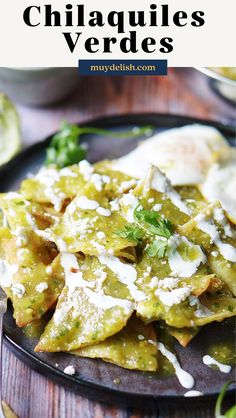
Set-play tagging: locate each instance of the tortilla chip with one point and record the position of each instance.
(183, 335)
(193, 197)
(201, 311)
(52, 185)
(179, 313)
(226, 270)
(31, 288)
(135, 347)
(25, 261)
(93, 306)
(119, 182)
(19, 212)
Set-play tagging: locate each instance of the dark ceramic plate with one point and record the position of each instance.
(95, 378)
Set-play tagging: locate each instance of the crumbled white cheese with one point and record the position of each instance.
(154, 282)
(100, 235)
(115, 206)
(127, 185)
(41, 287)
(86, 169)
(48, 177)
(168, 283)
(103, 211)
(157, 207)
(173, 297)
(67, 172)
(49, 269)
(18, 289)
(98, 182)
(83, 202)
(106, 179)
(101, 274)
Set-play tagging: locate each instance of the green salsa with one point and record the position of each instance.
(224, 352)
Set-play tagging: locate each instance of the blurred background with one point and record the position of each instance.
(44, 97)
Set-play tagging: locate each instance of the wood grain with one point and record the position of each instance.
(29, 394)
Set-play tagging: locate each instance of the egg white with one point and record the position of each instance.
(220, 185)
(184, 154)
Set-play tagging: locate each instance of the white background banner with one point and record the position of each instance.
(212, 44)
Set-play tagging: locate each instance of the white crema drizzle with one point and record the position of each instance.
(74, 280)
(125, 273)
(210, 361)
(226, 250)
(185, 379)
(160, 183)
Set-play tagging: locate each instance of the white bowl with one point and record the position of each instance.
(38, 86)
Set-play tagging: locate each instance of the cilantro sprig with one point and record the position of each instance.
(65, 148)
(151, 227)
(231, 413)
(152, 222)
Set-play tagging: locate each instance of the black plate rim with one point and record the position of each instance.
(82, 387)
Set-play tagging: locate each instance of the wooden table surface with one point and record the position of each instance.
(183, 92)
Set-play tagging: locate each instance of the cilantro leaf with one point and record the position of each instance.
(132, 233)
(157, 248)
(155, 225)
(163, 228)
(149, 225)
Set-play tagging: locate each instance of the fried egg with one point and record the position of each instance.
(184, 154)
(220, 185)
